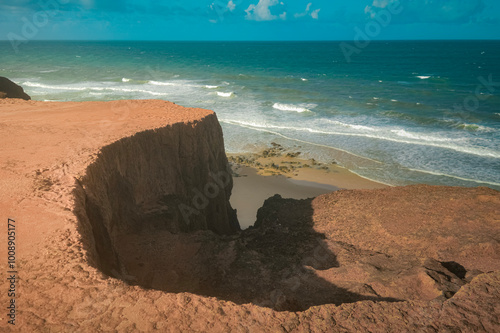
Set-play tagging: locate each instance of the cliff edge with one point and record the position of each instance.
(123, 223)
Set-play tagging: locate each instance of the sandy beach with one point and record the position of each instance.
(278, 170)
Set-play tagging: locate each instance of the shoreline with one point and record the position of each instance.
(277, 170)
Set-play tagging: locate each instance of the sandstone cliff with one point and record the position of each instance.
(100, 193)
(174, 179)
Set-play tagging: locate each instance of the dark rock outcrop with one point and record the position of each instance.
(9, 89)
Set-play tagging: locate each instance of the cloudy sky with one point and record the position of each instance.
(249, 19)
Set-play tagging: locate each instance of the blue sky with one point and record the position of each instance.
(248, 19)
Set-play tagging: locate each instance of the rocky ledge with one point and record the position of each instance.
(123, 224)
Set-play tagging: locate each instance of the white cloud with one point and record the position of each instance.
(262, 11)
(230, 5)
(382, 3)
(315, 13)
(378, 4)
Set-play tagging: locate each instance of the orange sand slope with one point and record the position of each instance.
(45, 153)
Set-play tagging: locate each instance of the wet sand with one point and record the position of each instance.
(258, 176)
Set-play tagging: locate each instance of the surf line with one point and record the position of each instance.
(298, 140)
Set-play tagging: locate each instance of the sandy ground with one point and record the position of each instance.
(45, 149)
(257, 178)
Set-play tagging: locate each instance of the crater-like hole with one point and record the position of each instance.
(151, 219)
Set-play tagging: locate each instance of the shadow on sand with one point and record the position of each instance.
(272, 264)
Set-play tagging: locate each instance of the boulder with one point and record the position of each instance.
(9, 89)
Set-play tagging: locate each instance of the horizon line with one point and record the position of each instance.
(251, 40)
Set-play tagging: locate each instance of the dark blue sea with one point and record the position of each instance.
(397, 112)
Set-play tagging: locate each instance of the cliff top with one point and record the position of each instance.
(315, 257)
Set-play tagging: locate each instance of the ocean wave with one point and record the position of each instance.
(405, 138)
(475, 128)
(357, 127)
(158, 83)
(176, 83)
(405, 134)
(211, 87)
(225, 94)
(423, 77)
(154, 93)
(86, 88)
(257, 127)
(452, 176)
(125, 79)
(304, 79)
(45, 86)
(49, 71)
(290, 107)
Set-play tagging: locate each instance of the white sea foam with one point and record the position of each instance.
(394, 100)
(402, 137)
(405, 134)
(154, 93)
(423, 77)
(211, 87)
(475, 127)
(452, 176)
(158, 83)
(125, 79)
(290, 107)
(304, 79)
(263, 128)
(45, 86)
(354, 126)
(94, 88)
(225, 94)
(49, 71)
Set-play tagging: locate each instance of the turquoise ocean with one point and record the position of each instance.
(396, 112)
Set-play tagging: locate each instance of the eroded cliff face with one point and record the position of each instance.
(391, 260)
(173, 179)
